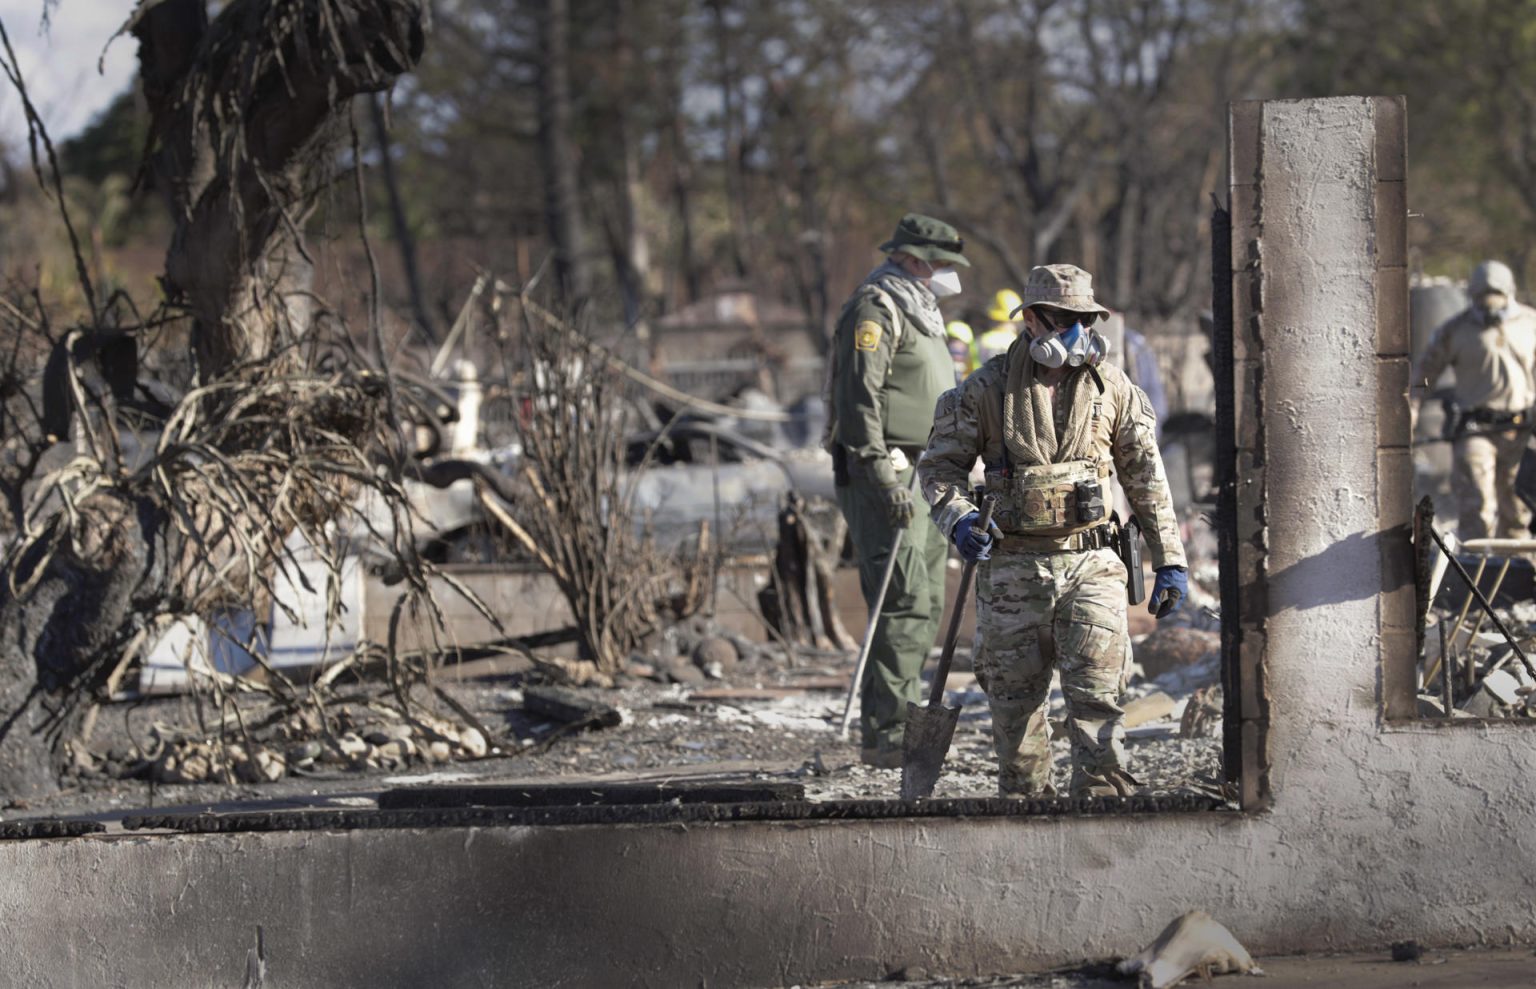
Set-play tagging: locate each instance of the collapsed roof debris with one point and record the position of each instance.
(1478, 625)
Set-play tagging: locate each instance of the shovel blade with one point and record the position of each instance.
(924, 745)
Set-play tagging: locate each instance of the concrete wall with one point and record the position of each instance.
(1376, 830)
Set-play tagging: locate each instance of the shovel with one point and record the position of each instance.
(930, 728)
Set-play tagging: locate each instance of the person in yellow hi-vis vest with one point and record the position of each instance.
(1004, 329)
(962, 347)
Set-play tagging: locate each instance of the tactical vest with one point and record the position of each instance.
(1050, 499)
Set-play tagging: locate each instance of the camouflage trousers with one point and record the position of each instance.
(1483, 481)
(1036, 612)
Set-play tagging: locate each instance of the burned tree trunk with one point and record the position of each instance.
(798, 601)
(246, 111)
(246, 108)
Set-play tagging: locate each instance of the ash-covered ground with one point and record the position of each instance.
(759, 714)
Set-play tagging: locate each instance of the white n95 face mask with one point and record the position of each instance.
(945, 283)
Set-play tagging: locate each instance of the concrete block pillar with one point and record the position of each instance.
(1321, 351)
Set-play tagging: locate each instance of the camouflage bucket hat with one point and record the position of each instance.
(1064, 286)
(924, 237)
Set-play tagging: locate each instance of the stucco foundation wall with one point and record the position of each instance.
(1376, 830)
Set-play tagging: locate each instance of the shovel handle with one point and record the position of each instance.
(941, 674)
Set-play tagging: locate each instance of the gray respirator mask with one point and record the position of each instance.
(1072, 347)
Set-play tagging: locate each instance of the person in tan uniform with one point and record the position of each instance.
(1053, 423)
(1490, 348)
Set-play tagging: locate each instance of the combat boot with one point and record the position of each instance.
(1108, 782)
(1013, 787)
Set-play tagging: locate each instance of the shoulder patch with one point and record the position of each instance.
(866, 336)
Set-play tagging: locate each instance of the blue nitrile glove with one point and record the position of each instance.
(1170, 590)
(974, 544)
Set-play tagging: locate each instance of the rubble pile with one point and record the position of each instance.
(1481, 671)
(694, 653)
(297, 746)
(697, 699)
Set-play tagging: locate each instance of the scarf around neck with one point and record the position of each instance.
(1029, 428)
(914, 298)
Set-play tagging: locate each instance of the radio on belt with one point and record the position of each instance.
(1089, 496)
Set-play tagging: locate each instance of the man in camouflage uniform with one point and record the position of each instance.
(1490, 347)
(890, 363)
(1052, 427)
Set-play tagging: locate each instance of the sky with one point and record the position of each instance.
(59, 64)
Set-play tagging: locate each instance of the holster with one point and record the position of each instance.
(1454, 423)
(1128, 547)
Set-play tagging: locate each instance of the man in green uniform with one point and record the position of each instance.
(1053, 423)
(890, 363)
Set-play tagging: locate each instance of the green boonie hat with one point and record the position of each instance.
(924, 237)
(1064, 286)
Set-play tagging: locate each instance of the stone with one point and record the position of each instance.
(395, 750)
(437, 751)
(305, 752)
(746, 650)
(716, 651)
(1407, 951)
(389, 733)
(189, 765)
(1168, 649)
(265, 767)
(684, 672)
(351, 746)
(473, 744)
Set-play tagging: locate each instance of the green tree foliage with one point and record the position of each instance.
(111, 144)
